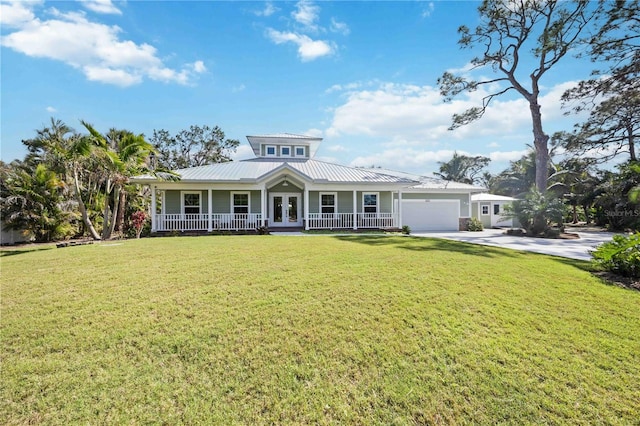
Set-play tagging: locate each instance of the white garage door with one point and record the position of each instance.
(431, 215)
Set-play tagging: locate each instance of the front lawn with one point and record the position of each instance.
(317, 329)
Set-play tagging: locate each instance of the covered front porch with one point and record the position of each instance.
(282, 205)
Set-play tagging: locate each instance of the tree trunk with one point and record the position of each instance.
(632, 147)
(106, 227)
(540, 140)
(121, 211)
(116, 209)
(82, 207)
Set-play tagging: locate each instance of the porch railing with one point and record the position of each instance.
(200, 222)
(345, 220)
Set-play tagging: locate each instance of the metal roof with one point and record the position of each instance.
(432, 183)
(258, 168)
(490, 197)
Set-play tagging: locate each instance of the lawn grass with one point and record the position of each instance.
(318, 329)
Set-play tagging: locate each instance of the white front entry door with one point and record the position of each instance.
(497, 216)
(285, 209)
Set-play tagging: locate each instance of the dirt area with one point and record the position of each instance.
(619, 280)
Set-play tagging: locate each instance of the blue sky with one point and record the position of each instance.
(360, 74)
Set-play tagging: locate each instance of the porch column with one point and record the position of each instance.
(306, 208)
(355, 209)
(209, 210)
(263, 205)
(399, 209)
(154, 225)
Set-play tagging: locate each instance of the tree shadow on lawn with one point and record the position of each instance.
(10, 251)
(430, 244)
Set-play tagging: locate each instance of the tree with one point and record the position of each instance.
(124, 155)
(194, 147)
(463, 168)
(615, 44)
(537, 212)
(507, 32)
(33, 201)
(575, 180)
(613, 127)
(69, 154)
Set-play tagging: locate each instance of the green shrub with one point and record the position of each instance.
(537, 212)
(621, 255)
(475, 225)
(406, 230)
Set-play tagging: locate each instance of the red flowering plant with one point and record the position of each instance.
(138, 220)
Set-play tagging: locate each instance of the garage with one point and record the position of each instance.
(431, 215)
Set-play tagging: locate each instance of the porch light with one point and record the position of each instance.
(285, 183)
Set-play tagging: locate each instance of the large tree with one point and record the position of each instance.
(612, 128)
(196, 146)
(463, 168)
(514, 35)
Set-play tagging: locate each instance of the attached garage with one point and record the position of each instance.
(431, 215)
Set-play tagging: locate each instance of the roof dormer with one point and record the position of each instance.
(284, 145)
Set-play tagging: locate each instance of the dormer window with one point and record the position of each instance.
(300, 151)
(285, 151)
(270, 151)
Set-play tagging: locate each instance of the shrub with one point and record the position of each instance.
(621, 255)
(537, 211)
(475, 225)
(406, 230)
(138, 220)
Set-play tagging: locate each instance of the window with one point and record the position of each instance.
(328, 203)
(270, 151)
(240, 202)
(285, 151)
(299, 151)
(370, 202)
(191, 203)
(484, 209)
(496, 209)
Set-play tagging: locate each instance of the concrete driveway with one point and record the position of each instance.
(572, 249)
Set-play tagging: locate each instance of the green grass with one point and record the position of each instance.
(318, 329)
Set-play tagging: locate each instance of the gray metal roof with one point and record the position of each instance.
(491, 197)
(258, 168)
(432, 183)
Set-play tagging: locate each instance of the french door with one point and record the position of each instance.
(285, 209)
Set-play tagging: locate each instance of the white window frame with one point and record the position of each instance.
(482, 207)
(266, 151)
(377, 194)
(182, 205)
(295, 151)
(335, 202)
(282, 148)
(233, 204)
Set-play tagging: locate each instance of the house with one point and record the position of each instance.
(285, 187)
(489, 208)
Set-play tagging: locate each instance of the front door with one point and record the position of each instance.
(285, 209)
(498, 218)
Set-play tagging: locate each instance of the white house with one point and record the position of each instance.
(284, 186)
(489, 208)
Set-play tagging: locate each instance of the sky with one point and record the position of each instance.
(360, 74)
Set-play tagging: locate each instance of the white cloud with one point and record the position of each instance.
(17, 13)
(268, 10)
(337, 148)
(198, 66)
(493, 145)
(306, 13)
(243, 152)
(316, 133)
(308, 49)
(427, 10)
(101, 6)
(339, 27)
(239, 88)
(51, 109)
(94, 48)
(501, 156)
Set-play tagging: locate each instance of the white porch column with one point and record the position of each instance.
(209, 210)
(306, 207)
(263, 205)
(399, 209)
(154, 225)
(355, 209)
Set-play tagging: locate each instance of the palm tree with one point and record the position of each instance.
(124, 155)
(462, 168)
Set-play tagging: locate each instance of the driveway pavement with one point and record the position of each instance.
(572, 249)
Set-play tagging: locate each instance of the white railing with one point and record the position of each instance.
(330, 220)
(376, 220)
(345, 220)
(200, 222)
